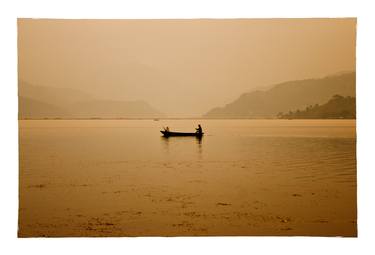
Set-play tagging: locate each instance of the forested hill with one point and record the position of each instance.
(287, 96)
(338, 107)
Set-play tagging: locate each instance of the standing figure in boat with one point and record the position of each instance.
(199, 129)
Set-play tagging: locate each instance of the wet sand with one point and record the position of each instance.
(246, 177)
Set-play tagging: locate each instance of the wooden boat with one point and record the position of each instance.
(169, 133)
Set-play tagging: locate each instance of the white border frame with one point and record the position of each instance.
(363, 10)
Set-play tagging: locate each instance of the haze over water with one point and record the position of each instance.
(176, 65)
(244, 177)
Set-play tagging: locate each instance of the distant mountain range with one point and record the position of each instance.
(287, 96)
(38, 102)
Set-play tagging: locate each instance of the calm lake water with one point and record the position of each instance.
(244, 177)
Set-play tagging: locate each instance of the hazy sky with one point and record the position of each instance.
(181, 66)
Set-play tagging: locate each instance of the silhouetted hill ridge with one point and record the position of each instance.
(36, 102)
(286, 96)
(338, 107)
(31, 108)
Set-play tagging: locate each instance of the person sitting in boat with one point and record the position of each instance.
(199, 129)
(166, 129)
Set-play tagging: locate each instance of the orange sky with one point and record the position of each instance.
(181, 66)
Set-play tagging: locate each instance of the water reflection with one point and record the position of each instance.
(199, 139)
(199, 142)
(167, 142)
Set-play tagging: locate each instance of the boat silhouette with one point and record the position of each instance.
(169, 133)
